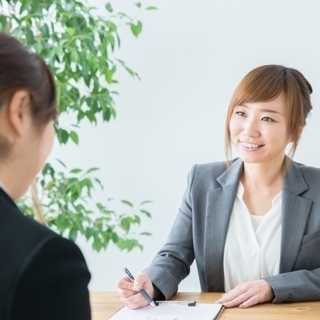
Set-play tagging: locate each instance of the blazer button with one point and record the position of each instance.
(288, 300)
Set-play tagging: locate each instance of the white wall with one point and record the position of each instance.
(190, 57)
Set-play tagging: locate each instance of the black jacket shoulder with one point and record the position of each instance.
(42, 275)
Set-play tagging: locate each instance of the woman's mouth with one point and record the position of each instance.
(251, 145)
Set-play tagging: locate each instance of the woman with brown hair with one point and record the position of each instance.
(42, 275)
(252, 224)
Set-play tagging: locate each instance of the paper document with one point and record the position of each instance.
(201, 311)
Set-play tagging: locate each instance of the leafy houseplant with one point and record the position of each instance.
(79, 45)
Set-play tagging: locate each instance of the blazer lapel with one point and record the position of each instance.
(219, 207)
(295, 213)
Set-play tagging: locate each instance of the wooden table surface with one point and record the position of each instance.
(105, 304)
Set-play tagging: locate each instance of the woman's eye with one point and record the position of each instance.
(240, 113)
(267, 119)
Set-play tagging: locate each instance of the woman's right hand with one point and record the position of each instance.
(129, 290)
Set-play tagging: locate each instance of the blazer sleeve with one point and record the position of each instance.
(294, 286)
(52, 284)
(172, 263)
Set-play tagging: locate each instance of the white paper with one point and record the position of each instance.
(203, 311)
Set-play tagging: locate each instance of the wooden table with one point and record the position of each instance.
(105, 304)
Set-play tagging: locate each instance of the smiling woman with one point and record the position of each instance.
(284, 90)
(42, 275)
(252, 223)
(259, 132)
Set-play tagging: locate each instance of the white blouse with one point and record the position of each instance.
(252, 248)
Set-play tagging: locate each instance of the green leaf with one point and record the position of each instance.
(62, 163)
(35, 5)
(125, 224)
(145, 234)
(24, 6)
(73, 234)
(38, 47)
(3, 22)
(71, 31)
(147, 213)
(112, 26)
(74, 137)
(136, 28)
(137, 219)
(91, 116)
(145, 202)
(106, 115)
(29, 36)
(63, 136)
(45, 31)
(114, 237)
(109, 7)
(151, 8)
(123, 15)
(138, 4)
(92, 170)
(128, 203)
(113, 112)
(80, 116)
(74, 56)
(131, 72)
(109, 74)
(76, 170)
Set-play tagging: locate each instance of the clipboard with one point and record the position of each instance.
(172, 310)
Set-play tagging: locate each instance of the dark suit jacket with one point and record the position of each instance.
(42, 275)
(200, 229)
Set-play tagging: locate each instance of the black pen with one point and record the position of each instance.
(142, 291)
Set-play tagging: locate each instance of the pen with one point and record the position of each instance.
(142, 291)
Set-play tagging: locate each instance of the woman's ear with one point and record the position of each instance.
(18, 111)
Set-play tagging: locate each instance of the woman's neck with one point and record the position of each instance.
(9, 181)
(261, 175)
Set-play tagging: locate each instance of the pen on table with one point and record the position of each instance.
(142, 291)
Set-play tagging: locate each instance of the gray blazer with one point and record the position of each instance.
(200, 229)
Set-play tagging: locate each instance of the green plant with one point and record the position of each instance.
(79, 44)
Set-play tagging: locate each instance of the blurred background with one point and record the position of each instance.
(190, 56)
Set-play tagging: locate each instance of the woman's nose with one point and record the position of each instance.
(251, 129)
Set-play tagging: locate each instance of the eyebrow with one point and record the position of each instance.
(263, 110)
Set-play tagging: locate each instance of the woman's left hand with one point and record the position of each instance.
(247, 294)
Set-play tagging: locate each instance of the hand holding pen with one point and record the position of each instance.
(143, 292)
